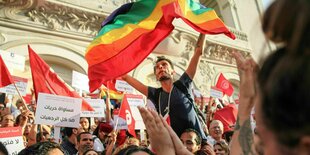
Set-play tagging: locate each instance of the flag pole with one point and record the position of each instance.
(118, 113)
(23, 101)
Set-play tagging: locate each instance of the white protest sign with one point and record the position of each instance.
(80, 80)
(216, 93)
(13, 61)
(121, 123)
(12, 139)
(134, 101)
(21, 84)
(99, 108)
(122, 85)
(58, 110)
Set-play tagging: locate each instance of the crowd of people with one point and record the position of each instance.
(278, 91)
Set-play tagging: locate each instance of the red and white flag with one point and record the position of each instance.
(126, 114)
(5, 75)
(45, 80)
(224, 85)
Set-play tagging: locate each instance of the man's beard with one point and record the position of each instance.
(164, 78)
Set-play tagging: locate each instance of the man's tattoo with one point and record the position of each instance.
(246, 137)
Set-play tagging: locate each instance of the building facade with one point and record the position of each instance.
(60, 30)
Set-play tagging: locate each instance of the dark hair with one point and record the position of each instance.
(17, 120)
(283, 26)
(40, 148)
(68, 131)
(228, 135)
(78, 137)
(131, 150)
(198, 136)
(284, 82)
(89, 151)
(2, 99)
(162, 58)
(3, 149)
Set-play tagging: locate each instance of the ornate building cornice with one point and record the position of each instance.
(53, 16)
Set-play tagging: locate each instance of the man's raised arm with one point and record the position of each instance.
(136, 84)
(192, 67)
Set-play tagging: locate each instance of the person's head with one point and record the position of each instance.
(3, 150)
(19, 104)
(27, 129)
(206, 148)
(163, 69)
(282, 105)
(216, 129)
(7, 120)
(90, 152)
(135, 150)
(84, 141)
(70, 132)
(283, 26)
(228, 135)
(84, 122)
(21, 120)
(191, 140)
(221, 148)
(133, 141)
(103, 131)
(42, 148)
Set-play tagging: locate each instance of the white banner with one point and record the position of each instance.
(99, 108)
(123, 86)
(216, 93)
(21, 84)
(121, 123)
(80, 80)
(13, 61)
(58, 110)
(12, 139)
(134, 101)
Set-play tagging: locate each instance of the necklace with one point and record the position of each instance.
(168, 106)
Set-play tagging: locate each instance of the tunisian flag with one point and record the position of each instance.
(46, 81)
(126, 114)
(224, 85)
(227, 115)
(6, 78)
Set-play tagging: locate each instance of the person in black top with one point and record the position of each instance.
(170, 99)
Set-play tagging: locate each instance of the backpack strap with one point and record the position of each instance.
(157, 91)
(184, 90)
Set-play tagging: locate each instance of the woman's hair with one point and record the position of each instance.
(284, 82)
(223, 145)
(288, 22)
(40, 148)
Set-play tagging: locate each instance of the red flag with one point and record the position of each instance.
(227, 115)
(6, 78)
(126, 114)
(224, 85)
(46, 81)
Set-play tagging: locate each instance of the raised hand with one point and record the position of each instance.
(159, 136)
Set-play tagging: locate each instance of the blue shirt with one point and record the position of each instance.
(181, 111)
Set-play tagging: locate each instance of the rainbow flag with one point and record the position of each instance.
(132, 31)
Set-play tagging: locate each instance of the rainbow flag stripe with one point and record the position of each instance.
(132, 31)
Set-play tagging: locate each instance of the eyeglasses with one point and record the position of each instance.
(9, 120)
